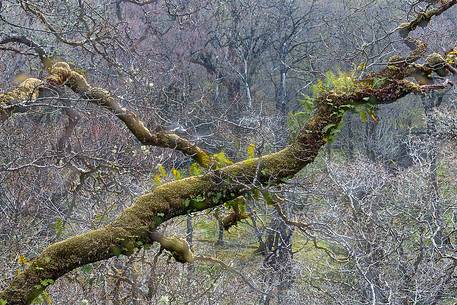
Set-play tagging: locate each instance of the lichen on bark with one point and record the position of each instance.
(27, 90)
(136, 225)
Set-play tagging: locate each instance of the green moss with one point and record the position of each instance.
(437, 63)
(451, 57)
(197, 203)
(169, 200)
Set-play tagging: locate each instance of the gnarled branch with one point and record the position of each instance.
(134, 227)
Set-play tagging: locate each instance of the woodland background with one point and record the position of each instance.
(372, 220)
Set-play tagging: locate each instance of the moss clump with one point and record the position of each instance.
(451, 57)
(339, 83)
(59, 73)
(27, 90)
(395, 61)
(437, 63)
(62, 74)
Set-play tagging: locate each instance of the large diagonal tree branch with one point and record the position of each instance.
(61, 74)
(135, 226)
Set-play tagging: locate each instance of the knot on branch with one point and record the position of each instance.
(62, 74)
(233, 219)
(59, 73)
(238, 213)
(178, 247)
(437, 63)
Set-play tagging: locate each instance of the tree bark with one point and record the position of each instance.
(135, 226)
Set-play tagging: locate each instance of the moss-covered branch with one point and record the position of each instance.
(10, 100)
(424, 18)
(60, 74)
(135, 226)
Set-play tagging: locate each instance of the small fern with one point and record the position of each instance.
(339, 83)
